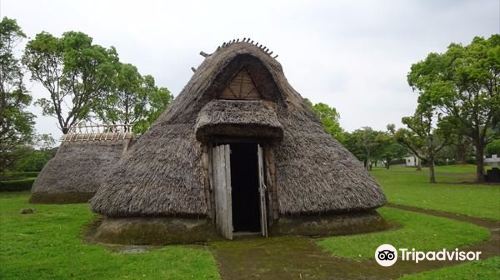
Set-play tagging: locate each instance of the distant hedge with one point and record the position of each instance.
(10, 176)
(16, 185)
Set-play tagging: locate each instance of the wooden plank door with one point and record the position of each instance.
(262, 192)
(221, 170)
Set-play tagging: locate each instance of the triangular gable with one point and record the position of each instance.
(241, 87)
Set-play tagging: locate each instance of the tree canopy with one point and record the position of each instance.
(75, 72)
(134, 100)
(16, 123)
(463, 83)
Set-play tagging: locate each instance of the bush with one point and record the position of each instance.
(493, 147)
(16, 185)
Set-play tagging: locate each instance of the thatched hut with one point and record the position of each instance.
(237, 151)
(81, 162)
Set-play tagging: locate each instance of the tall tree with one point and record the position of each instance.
(364, 145)
(464, 83)
(329, 118)
(75, 72)
(422, 137)
(389, 149)
(158, 100)
(16, 124)
(126, 102)
(135, 100)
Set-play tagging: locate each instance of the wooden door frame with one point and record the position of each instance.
(269, 174)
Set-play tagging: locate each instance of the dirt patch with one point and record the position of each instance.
(291, 257)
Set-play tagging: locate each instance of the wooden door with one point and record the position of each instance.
(221, 170)
(262, 192)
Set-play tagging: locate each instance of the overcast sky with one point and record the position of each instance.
(352, 55)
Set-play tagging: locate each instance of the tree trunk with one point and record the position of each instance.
(480, 163)
(461, 152)
(419, 164)
(432, 174)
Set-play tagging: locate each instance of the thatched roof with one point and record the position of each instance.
(162, 174)
(76, 171)
(238, 118)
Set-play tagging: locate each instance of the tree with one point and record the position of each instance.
(464, 83)
(158, 100)
(422, 137)
(126, 103)
(329, 118)
(75, 72)
(16, 124)
(135, 100)
(363, 144)
(389, 148)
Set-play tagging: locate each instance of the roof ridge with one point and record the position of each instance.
(262, 47)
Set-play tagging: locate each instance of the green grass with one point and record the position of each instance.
(419, 231)
(48, 245)
(486, 269)
(407, 186)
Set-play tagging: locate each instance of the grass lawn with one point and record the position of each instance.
(487, 269)
(48, 245)
(419, 231)
(407, 186)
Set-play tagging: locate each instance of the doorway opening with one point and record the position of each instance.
(245, 187)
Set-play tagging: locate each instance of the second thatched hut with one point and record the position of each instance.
(83, 159)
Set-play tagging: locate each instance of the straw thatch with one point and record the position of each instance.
(163, 175)
(76, 171)
(238, 118)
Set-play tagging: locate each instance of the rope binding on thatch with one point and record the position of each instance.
(83, 131)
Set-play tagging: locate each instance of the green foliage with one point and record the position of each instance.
(135, 100)
(414, 233)
(16, 124)
(30, 159)
(158, 100)
(405, 186)
(16, 185)
(329, 117)
(370, 145)
(389, 149)
(463, 82)
(48, 245)
(75, 72)
(422, 138)
(493, 147)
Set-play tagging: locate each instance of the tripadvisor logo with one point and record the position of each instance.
(387, 255)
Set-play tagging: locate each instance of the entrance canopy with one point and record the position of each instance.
(238, 118)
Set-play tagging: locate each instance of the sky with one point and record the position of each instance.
(352, 55)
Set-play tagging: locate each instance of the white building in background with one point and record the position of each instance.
(412, 161)
(494, 161)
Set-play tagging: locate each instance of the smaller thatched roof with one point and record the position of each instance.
(76, 171)
(238, 118)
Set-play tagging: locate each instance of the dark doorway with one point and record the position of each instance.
(245, 187)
